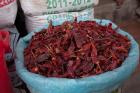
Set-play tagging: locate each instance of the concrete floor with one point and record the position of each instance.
(133, 84)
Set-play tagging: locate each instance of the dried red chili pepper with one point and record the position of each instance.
(76, 50)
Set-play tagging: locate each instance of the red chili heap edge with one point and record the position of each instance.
(76, 50)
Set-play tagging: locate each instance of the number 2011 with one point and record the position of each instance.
(56, 3)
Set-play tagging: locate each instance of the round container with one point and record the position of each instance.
(103, 83)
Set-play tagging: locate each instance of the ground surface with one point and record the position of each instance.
(133, 84)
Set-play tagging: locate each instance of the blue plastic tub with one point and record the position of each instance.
(103, 83)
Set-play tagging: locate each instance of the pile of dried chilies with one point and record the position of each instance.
(76, 50)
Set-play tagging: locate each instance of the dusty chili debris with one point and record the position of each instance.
(76, 50)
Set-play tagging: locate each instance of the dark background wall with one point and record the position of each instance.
(109, 10)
